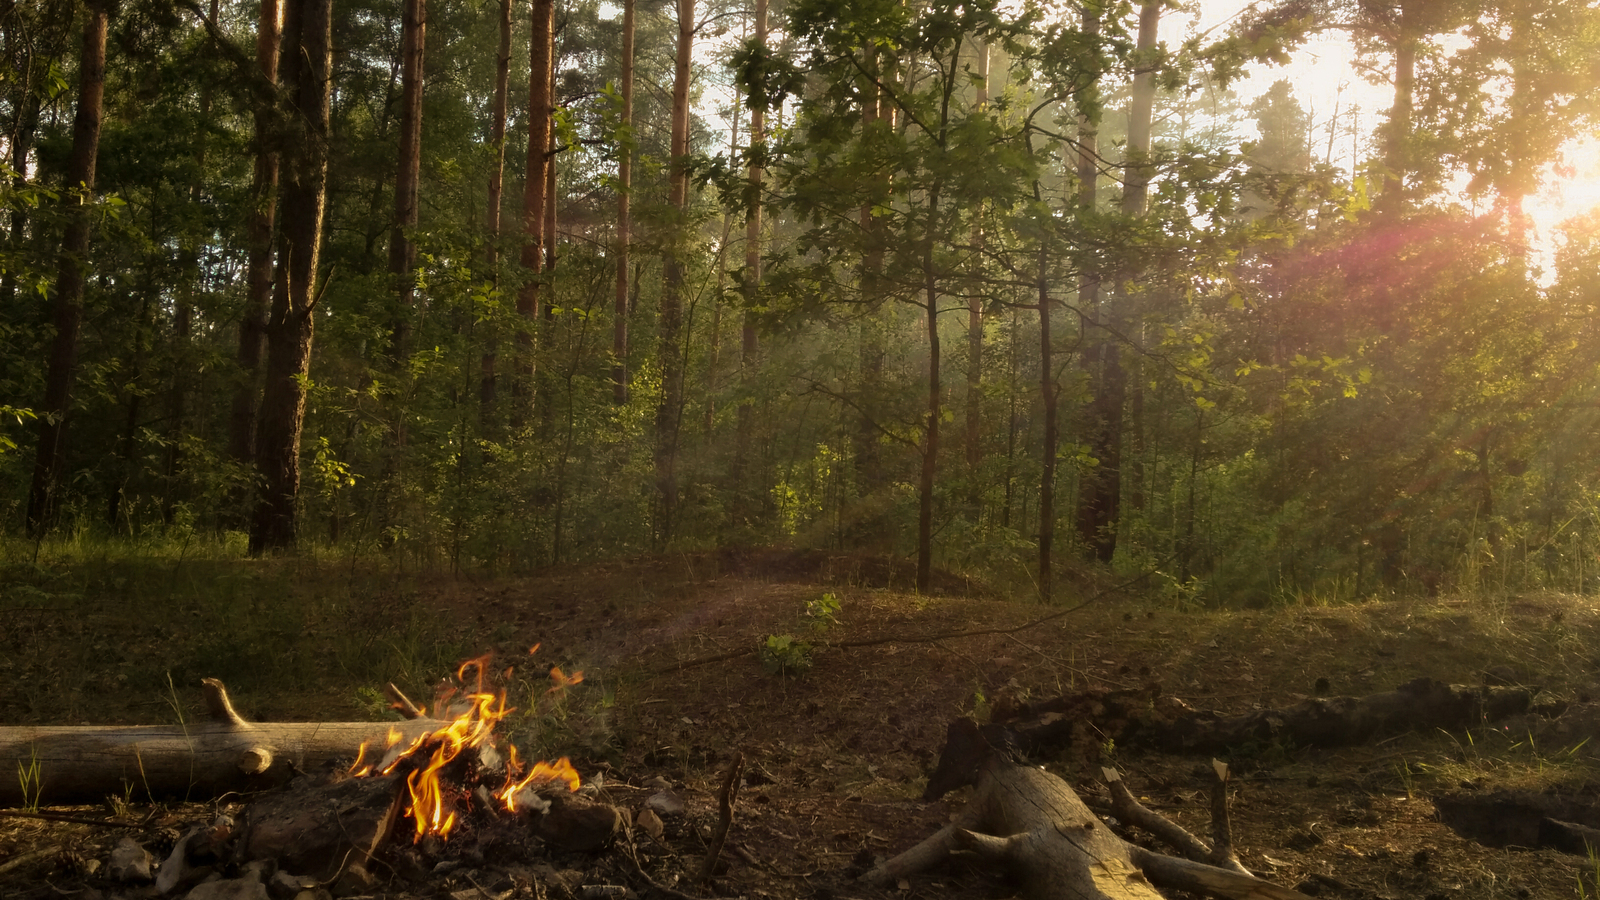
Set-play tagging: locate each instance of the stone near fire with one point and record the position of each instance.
(130, 862)
(665, 803)
(318, 823)
(285, 886)
(246, 888)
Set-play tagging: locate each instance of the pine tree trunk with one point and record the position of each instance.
(408, 170)
(540, 50)
(1397, 131)
(258, 278)
(497, 140)
(308, 59)
(1047, 396)
(671, 322)
(974, 404)
(1135, 200)
(1099, 490)
(619, 325)
(868, 449)
(749, 345)
(67, 304)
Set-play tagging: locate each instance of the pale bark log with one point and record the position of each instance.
(80, 764)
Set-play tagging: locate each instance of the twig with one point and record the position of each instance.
(61, 817)
(725, 801)
(401, 702)
(22, 859)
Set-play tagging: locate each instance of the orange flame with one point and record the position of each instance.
(433, 803)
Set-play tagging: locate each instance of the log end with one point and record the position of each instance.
(255, 760)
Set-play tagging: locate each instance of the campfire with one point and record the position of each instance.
(442, 767)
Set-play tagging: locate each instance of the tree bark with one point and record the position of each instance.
(669, 409)
(497, 140)
(1098, 489)
(749, 345)
(541, 47)
(186, 761)
(308, 59)
(1034, 824)
(258, 278)
(408, 170)
(67, 304)
(974, 400)
(619, 324)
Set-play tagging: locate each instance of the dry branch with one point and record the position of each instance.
(1033, 823)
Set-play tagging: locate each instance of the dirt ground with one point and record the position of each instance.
(838, 746)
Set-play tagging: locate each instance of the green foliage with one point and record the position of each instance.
(787, 655)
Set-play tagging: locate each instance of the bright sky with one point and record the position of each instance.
(1324, 76)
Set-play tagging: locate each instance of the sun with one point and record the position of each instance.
(1573, 190)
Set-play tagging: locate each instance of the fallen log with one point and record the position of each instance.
(1148, 718)
(1033, 823)
(45, 765)
(1525, 819)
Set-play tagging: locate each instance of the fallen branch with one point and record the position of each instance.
(1033, 823)
(188, 760)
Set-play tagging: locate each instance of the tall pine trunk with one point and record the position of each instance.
(258, 278)
(307, 64)
(497, 140)
(669, 409)
(749, 345)
(66, 311)
(408, 170)
(1099, 489)
(619, 324)
(1135, 199)
(540, 50)
(974, 399)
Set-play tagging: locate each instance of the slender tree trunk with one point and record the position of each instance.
(25, 129)
(497, 141)
(133, 394)
(1047, 396)
(974, 404)
(749, 345)
(541, 49)
(408, 171)
(619, 325)
(1135, 199)
(67, 303)
(543, 398)
(183, 321)
(868, 449)
(930, 447)
(308, 61)
(671, 322)
(1100, 488)
(258, 278)
(1397, 131)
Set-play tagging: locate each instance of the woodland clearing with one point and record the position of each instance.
(841, 726)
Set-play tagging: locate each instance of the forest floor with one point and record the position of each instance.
(836, 753)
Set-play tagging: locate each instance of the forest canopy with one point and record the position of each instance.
(1010, 289)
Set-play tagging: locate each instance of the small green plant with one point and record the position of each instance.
(30, 779)
(822, 613)
(1407, 777)
(785, 654)
(1593, 873)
